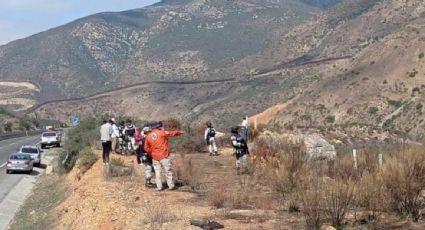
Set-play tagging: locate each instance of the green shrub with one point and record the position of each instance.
(8, 126)
(86, 159)
(372, 110)
(293, 207)
(396, 104)
(330, 119)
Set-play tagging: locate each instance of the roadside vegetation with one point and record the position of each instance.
(340, 192)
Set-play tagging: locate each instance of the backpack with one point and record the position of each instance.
(211, 132)
(130, 130)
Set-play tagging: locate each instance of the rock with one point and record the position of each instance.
(241, 212)
(49, 169)
(316, 147)
(206, 224)
(327, 227)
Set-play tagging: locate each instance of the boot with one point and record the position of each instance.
(149, 184)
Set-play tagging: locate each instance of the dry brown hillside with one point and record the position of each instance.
(360, 63)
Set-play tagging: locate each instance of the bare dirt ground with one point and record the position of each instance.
(124, 202)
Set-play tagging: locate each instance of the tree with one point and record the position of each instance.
(8, 126)
(24, 125)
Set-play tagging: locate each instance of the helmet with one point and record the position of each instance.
(209, 124)
(234, 130)
(156, 125)
(146, 129)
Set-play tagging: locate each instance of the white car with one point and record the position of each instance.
(50, 138)
(33, 151)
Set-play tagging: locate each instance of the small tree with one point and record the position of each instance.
(24, 125)
(8, 126)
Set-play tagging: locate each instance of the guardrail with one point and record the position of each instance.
(6, 136)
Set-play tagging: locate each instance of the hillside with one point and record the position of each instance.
(355, 66)
(171, 40)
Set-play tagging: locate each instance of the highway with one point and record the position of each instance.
(15, 187)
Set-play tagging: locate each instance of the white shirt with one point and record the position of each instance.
(105, 132)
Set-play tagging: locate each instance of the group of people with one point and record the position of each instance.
(152, 150)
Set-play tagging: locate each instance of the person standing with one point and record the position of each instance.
(105, 138)
(156, 144)
(241, 150)
(138, 139)
(129, 131)
(209, 136)
(244, 129)
(115, 135)
(146, 158)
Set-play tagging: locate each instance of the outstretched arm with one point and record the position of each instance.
(173, 133)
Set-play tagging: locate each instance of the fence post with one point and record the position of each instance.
(380, 160)
(355, 158)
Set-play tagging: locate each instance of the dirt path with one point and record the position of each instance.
(269, 114)
(124, 203)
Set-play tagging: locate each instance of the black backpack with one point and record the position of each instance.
(130, 131)
(211, 132)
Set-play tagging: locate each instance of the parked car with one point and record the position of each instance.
(19, 162)
(33, 151)
(50, 138)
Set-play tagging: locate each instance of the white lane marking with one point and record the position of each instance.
(1, 166)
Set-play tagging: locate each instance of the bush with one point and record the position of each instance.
(311, 197)
(330, 119)
(117, 162)
(338, 196)
(86, 159)
(189, 173)
(293, 207)
(8, 126)
(172, 124)
(396, 104)
(404, 179)
(372, 110)
(78, 138)
(279, 163)
(158, 213)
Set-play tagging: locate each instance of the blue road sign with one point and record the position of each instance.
(75, 120)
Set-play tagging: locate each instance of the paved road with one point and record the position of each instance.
(14, 187)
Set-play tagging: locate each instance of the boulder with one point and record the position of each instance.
(327, 227)
(315, 146)
(49, 169)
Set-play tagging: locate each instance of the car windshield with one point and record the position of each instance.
(20, 157)
(49, 134)
(29, 150)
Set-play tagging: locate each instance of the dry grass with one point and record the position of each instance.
(404, 178)
(328, 190)
(189, 173)
(159, 214)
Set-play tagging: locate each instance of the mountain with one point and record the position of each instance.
(354, 66)
(170, 40)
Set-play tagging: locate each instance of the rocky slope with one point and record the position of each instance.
(171, 40)
(357, 65)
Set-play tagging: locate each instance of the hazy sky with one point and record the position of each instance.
(22, 18)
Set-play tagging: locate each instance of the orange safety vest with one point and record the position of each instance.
(156, 143)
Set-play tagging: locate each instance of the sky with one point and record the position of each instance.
(22, 18)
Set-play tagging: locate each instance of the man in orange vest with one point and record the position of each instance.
(156, 145)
